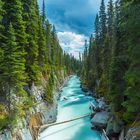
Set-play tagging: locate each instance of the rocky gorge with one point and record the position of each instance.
(40, 113)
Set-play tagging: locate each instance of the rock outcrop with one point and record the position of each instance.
(40, 113)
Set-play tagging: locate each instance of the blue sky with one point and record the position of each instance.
(74, 21)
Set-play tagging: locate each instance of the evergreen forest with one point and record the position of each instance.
(31, 56)
(29, 51)
(110, 63)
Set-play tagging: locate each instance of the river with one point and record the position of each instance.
(72, 104)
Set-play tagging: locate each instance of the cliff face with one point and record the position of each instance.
(40, 113)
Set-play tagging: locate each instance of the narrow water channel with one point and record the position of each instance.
(73, 103)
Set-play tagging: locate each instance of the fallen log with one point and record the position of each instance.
(58, 123)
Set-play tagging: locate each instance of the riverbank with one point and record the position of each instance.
(110, 124)
(40, 113)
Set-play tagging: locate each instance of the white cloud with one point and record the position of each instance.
(71, 42)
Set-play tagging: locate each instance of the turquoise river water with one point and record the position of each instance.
(72, 104)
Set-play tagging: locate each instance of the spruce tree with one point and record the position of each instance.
(13, 25)
(91, 62)
(1, 26)
(106, 53)
(97, 50)
(119, 65)
(2, 38)
(1, 18)
(103, 31)
(54, 46)
(13, 66)
(42, 50)
(13, 14)
(30, 17)
(110, 18)
(97, 29)
(130, 25)
(102, 19)
(110, 29)
(43, 13)
(84, 65)
(48, 41)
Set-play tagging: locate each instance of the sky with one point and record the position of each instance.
(74, 21)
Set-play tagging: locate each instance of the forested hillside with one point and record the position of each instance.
(29, 50)
(33, 65)
(111, 63)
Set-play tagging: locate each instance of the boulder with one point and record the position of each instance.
(114, 126)
(100, 119)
